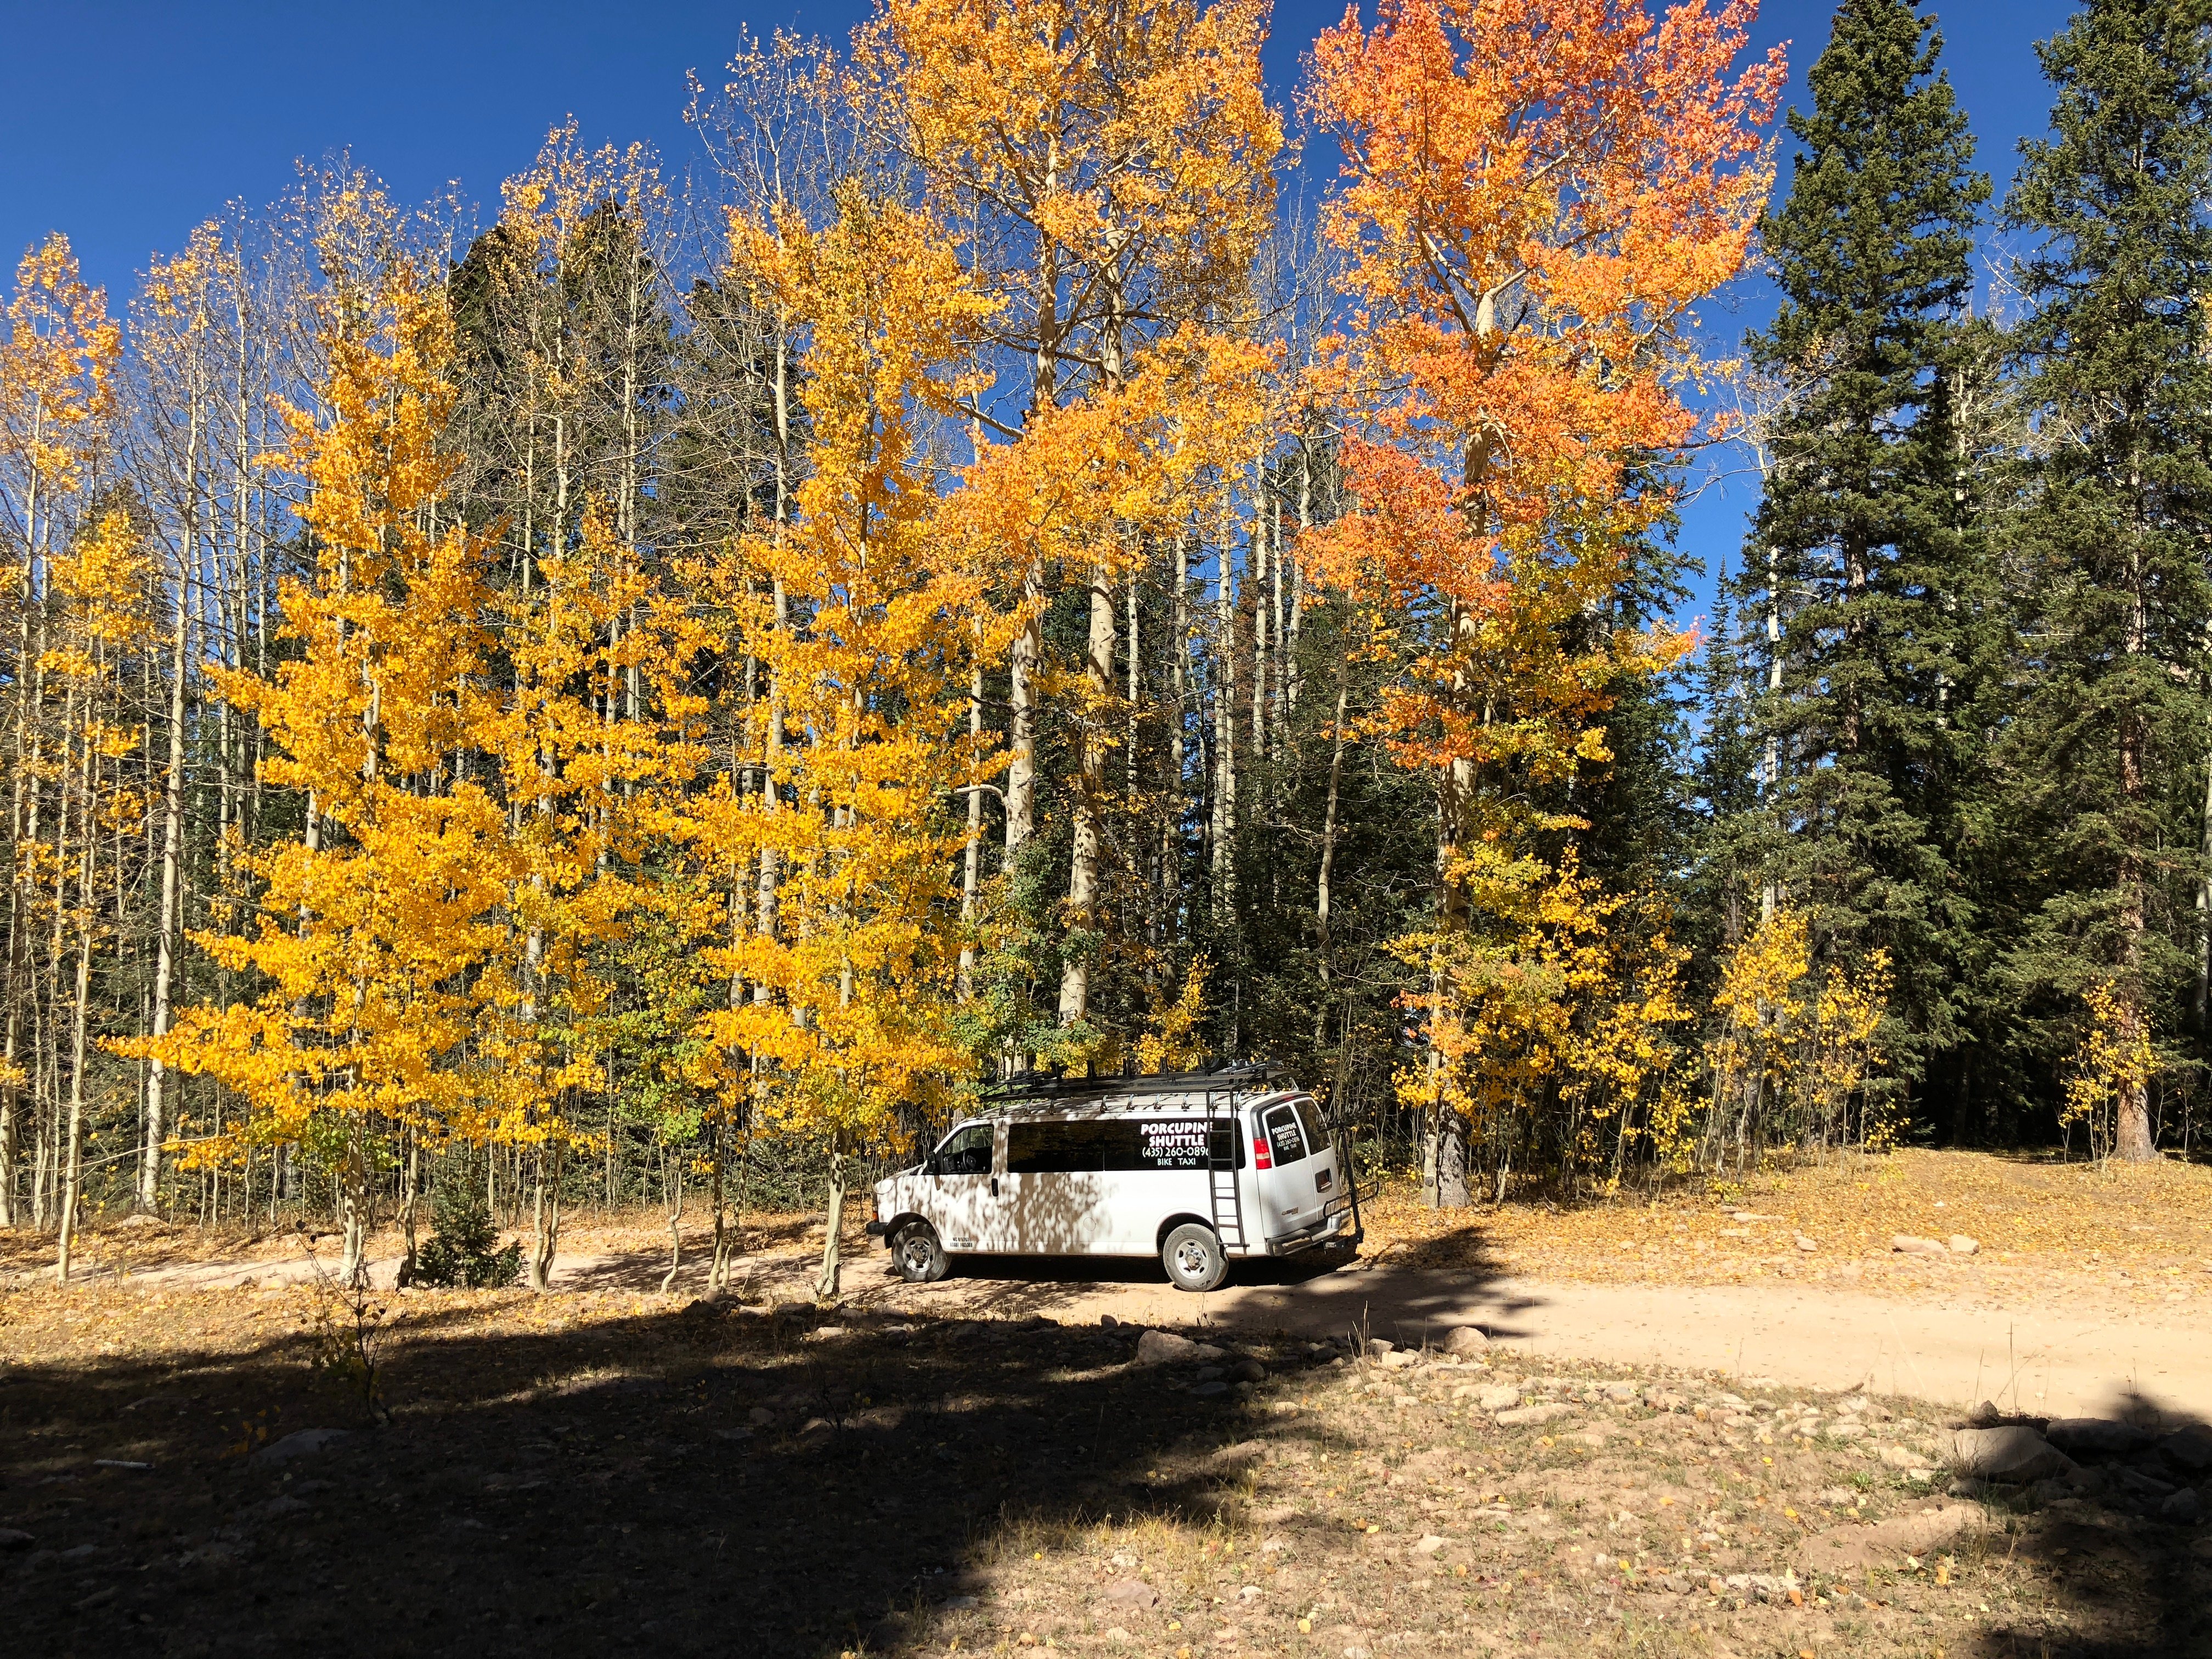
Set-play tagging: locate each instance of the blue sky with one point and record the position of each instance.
(125, 124)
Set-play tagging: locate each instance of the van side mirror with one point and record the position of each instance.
(932, 1165)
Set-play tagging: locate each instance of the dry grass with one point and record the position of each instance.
(2144, 1234)
(1369, 1515)
(707, 1480)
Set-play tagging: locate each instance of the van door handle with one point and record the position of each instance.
(995, 1185)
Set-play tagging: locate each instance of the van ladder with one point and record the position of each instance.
(1227, 1196)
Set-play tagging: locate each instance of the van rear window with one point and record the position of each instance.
(1285, 1143)
(1120, 1144)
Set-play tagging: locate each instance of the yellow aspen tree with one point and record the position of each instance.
(102, 587)
(1535, 195)
(857, 1023)
(58, 392)
(1107, 172)
(376, 927)
(573, 776)
(177, 317)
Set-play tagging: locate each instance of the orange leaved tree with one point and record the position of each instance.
(1535, 193)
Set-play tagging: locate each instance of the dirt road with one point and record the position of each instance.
(2062, 1359)
(2057, 1364)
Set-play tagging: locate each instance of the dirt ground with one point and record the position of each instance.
(956, 1470)
(624, 1472)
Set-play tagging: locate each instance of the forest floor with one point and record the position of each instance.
(624, 1472)
(979, 1465)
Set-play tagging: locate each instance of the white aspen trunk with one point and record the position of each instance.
(1772, 765)
(971, 852)
(545, 1213)
(827, 1285)
(72, 1152)
(1175, 797)
(1129, 726)
(1083, 862)
(20, 990)
(1255, 583)
(1278, 684)
(356, 1199)
(772, 749)
(172, 831)
(771, 799)
(1026, 657)
(1023, 662)
(1294, 682)
(1224, 737)
(1321, 895)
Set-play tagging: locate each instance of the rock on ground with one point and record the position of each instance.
(2189, 1448)
(1524, 1415)
(1466, 1341)
(301, 1444)
(2012, 1456)
(2096, 1436)
(1164, 1348)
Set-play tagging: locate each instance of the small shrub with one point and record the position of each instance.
(464, 1247)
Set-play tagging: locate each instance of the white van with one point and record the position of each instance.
(1196, 1168)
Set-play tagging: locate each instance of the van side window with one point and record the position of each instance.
(1068, 1148)
(1121, 1145)
(966, 1151)
(1285, 1144)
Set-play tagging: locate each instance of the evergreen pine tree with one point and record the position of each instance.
(1862, 542)
(2109, 753)
(464, 1250)
(1723, 789)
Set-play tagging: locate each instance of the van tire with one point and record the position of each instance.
(918, 1255)
(1194, 1257)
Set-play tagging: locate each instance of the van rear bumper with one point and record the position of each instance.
(1334, 1228)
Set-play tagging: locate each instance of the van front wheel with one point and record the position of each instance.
(918, 1255)
(1194, 1258)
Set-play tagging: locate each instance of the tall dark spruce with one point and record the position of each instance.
(1864, 543)
(2110, 751)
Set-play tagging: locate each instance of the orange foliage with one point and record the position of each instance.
(1536, 192)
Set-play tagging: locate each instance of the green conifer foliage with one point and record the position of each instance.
(1863, 544)
(463, 1250)
(2108, 756)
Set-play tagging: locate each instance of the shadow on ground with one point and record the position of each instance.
(2118, 1541)
(712, 1480)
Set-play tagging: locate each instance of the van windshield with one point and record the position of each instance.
(966, 1151)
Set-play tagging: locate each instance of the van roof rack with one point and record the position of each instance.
(1047, 1085)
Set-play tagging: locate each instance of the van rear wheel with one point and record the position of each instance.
(918, 1254)
(1194, 1257)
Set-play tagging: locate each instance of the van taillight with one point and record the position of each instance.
(1260, 1159)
